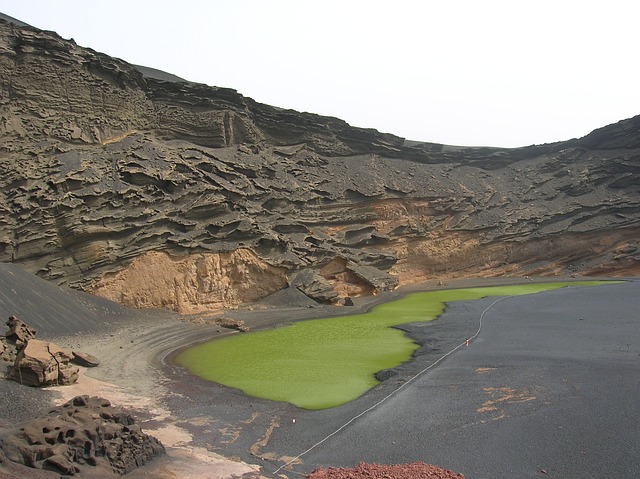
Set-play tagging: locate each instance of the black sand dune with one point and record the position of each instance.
(51, 310)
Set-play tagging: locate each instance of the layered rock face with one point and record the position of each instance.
(181, 195)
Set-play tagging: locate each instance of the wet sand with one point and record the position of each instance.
(445, 417)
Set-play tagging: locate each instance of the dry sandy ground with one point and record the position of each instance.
(129, 376)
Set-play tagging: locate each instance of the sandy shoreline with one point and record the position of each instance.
(130, 375)
(200, 423)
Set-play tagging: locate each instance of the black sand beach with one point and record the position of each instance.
(549, 388)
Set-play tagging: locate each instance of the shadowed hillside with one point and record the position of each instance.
(190, 197)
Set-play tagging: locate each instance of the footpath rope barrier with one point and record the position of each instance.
(407, 382)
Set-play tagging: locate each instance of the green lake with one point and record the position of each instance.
(323, 363)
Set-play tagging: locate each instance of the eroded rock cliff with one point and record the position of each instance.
(182, 195)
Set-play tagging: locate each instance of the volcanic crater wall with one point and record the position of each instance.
(181, 195)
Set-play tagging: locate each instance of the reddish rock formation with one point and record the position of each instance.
(19, 333)
(41, 363)
(416, 470)
(5, 353)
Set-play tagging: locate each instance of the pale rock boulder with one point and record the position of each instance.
(41, 363)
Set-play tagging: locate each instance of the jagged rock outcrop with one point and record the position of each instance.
(85, 435)
(19, 332)
(181, 195)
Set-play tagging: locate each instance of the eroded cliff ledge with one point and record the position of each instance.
(203, 198)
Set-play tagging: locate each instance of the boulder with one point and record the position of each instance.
(385, 374)
(314, 286)
(41, 363)
(84, 359)
(19, 332)
(86, 435)
(377, 279)
(236, 324)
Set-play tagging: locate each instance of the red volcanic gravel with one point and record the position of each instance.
(415, 470)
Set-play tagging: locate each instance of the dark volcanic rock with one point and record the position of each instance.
(87, 435)
(373, 277)
(385, 374)
(105, 169)
(314, 286)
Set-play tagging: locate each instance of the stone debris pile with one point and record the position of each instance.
(37, 362)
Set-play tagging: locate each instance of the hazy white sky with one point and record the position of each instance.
(465, 72)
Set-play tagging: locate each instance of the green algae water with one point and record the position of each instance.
(323, 363)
